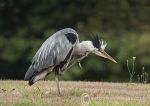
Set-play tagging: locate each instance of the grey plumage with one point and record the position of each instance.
(56, 52)
(52, 53)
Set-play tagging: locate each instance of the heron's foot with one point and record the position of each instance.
(50, 94)
(83, 57)
(47, 94)
(78, 61)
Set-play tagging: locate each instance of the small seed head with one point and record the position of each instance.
(134, 58)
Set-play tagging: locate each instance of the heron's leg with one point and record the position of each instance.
(57, 82)
(81, 58)
(78, 60)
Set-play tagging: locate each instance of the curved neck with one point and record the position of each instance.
(83, 47)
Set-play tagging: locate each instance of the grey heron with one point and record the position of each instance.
(56, 52)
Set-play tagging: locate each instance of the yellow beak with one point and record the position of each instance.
(104, 55)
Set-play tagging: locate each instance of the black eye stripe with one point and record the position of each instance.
(96, 42)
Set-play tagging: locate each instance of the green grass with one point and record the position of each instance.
(44, 93)
(107, 103)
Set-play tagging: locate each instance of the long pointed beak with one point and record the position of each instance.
(104, 55)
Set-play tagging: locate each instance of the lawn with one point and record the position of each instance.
(73, 93)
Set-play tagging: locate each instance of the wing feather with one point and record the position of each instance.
(52, 52)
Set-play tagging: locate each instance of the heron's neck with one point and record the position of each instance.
(83, 47)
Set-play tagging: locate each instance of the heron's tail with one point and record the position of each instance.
(29, 73)
(29, 76)
(33, 75)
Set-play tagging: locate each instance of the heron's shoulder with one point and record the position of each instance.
(68, 33)
(68, 30)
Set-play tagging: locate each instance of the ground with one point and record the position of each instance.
(73, 93)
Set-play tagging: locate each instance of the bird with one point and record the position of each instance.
(56, 52)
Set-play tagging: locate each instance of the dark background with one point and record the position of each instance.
(124, 24)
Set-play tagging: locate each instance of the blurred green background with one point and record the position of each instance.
(124, 24)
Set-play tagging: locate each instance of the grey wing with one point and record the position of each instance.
(52, 52)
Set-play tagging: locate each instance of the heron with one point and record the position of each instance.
(56, 52)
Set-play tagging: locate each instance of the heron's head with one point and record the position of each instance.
(99, 50)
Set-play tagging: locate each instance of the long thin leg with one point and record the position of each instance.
(57, 82)
(78, 60)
